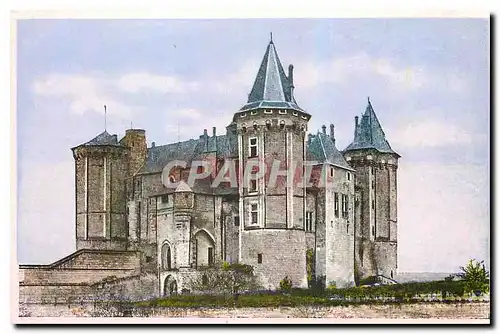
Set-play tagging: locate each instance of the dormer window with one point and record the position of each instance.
(252, 147)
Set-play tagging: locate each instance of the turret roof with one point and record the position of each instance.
(368, 133)
(272, 88)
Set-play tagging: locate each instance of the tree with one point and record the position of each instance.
(476, 277)
(225, 278)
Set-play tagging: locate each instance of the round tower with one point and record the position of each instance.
(376, 165)
(100, 172)
(271, 130)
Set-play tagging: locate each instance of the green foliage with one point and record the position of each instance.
(398, 293)
(476, 277)
(286, 284)
(225, 278)
(310, 264)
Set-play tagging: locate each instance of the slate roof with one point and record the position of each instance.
(321, 148)
(103, 139)
(272, 88)
(187, 151)
(369, 134)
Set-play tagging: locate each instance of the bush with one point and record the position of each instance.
(476, 277)
(224, 278)
(286, 284)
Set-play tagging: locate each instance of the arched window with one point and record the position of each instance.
(166, 256)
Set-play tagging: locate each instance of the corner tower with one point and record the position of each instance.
(100, 173)
(376, 165)
(271, 130)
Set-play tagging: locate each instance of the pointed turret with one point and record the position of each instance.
(272, 88)
(368, 133)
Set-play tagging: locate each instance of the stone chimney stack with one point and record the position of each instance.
(323, 127)
(290, 78)
(332, 132)
(214, 131)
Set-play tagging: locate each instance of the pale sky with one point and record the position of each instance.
(428, 80)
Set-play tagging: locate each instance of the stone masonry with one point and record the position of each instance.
(133, 231)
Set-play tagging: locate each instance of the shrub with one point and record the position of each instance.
(225, 278)
(476, 277)
(286, 284)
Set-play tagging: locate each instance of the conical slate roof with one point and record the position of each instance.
(272, 88)
(369, 134)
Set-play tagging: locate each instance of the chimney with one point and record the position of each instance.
(204, 137)
(309, 138)
(153, 144)
(323, 127)
(356, 118)
(214, 131)
(290, 79)
(332, 132)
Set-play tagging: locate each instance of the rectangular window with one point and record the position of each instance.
(373, 230)
(210, 256)
(348, 176)
(309, 222)
(373, 204)
(236, 220)
(164, 199)
(200, 170)
(253, 186)
(336, 204)
(372, 170)
(345, 205)
(347, 228)
(254, 214)
(331, 171)
(259, 258)
(253, 147)
(373, 184)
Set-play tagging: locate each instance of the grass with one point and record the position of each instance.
(389, 294)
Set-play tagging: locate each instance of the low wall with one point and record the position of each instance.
(73, 277)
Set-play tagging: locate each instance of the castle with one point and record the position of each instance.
(130, 224)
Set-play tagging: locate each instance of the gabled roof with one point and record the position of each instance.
(369, 134)
(272, 88)
(323, 150)
(103, 139)
(183, 187)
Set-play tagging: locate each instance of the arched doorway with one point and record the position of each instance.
(204, 245)
(169, 286)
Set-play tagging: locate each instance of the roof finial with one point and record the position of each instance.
(104, 117)
(271, 36)
(368, 99)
